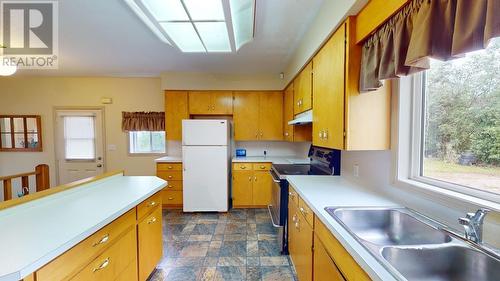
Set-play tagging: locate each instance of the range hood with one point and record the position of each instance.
(302, 118)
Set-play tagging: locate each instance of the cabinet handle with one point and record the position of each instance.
(169, 177)
(208, 107)
(169, 167)
(152, 203)
(261, 134)
(292, 195)
(303, 211)
(243, 167)
(103, 265)
(294, 218)
(326, 134)
(170, 186)
(257, 135)
(286, 134)
(249, 178)
(213, 107)
(153, 220)
(170, 198)
(103, 240)
(262, 167)
(255, 178)
(320, 134)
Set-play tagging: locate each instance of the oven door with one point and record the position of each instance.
(275, 207)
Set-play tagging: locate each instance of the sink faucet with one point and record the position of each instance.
(473, 225)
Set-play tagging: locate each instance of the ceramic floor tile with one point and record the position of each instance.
(233, 248)
(230, 273)
(276, 273)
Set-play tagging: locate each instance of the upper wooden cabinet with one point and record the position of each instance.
(290, 132)
(344, 118)
(176, 109)
(303, 89)
(210, 102)
(258, 116)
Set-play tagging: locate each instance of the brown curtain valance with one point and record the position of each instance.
(423, 29)
(143, 121)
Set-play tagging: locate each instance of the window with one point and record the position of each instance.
(456, 134)
(20, 133)
(79, 137)
(141, 142)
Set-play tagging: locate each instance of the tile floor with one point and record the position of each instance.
(238, 245)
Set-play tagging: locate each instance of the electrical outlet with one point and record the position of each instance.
(355, 170)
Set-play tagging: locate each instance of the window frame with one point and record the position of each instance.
(129, 146)
(38, 148)
(409, 140)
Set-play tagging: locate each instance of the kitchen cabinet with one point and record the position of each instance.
(293, 133)
(258, 116)
(344, 118)
(324, 268)
(150, 242)
(172, 194)
(210, 102)
(303, 87)
(300, 241)
(176, 109)
(252, 185)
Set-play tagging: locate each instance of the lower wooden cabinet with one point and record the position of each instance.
(127, 249)
(324, 268)
(150, 245)
(251, 185)
(172, 193)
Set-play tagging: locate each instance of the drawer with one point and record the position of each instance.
(262, 166)
(306, 212)
(148, 205)
(169, 167)
(170, 175)
(77, 257)
(171, 197)
(242, 166)
(174, 185)
(293, 196)
(113, 261)
(346, 264)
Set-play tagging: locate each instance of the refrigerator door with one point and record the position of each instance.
(205, 176)
(205, 132)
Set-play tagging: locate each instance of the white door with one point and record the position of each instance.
(79, 144)
(205, 132)
(205, 178)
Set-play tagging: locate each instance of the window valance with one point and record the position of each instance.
(423, 29)
(143, 121)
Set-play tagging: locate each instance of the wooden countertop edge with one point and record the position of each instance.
(53, 190)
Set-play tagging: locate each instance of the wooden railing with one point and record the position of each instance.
(41, 174)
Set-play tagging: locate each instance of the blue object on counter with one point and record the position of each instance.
(241, 152)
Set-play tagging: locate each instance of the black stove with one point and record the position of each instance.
(323, 162)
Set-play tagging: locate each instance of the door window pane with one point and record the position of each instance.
(79, 137)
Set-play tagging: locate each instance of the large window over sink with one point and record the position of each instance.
(456, 134)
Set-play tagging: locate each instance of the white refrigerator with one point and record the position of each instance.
(205, 158)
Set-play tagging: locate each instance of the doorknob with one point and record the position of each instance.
(99, 165)
(99, 158)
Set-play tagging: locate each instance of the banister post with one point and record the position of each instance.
(42, 177)
(7, 189)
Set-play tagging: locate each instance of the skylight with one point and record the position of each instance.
(198, 26)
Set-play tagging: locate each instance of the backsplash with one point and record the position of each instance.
(273, 148)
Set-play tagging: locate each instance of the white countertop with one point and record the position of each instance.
(272, 159)
(34, 233)
(169, 159)
(333, 191)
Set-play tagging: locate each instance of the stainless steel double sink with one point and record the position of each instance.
(414, 247)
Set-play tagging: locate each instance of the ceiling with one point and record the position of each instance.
(108, 38)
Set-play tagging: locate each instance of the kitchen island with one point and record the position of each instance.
(76, 230)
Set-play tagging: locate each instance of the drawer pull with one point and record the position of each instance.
(262, 167)
(169, 177)
(243, 167)
(103, 240)
(153, 220)
(103, 265)
(303, 211)
(152, 204)
(170, 198)
(169, 167)
(292, 195)
(249, 178)
(170, 186)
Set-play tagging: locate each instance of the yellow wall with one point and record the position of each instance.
(39, 95)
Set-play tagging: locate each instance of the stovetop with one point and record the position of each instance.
(298, 169)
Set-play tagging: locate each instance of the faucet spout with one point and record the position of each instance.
(473, 225)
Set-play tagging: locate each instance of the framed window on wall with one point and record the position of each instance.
(20, 133)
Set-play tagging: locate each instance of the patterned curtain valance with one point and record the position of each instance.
(423, 29)
(143, 121)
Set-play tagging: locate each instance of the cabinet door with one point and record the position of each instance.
(324, 269)
(150, 243)
(222, 103)
(242, 188)
(200, 102)
(288, 113)
(292, 235)
(271, 116)
(303, 252)
(328, 97)
(303, 90)
(246, 116)
(262, 188)
(176, 109)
